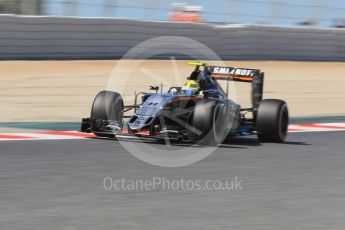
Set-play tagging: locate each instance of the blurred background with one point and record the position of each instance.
(296, 53)
(317, 13)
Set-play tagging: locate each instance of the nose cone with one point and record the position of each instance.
(147, 112)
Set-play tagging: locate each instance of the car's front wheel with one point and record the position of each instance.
(108, 106)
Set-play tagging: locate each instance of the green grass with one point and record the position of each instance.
(59, 126)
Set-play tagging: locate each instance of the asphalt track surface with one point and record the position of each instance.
(58, 184)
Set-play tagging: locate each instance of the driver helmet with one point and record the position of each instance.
(190, 87)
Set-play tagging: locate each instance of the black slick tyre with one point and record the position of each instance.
(208, 119)
(272, 120)
(108, 106)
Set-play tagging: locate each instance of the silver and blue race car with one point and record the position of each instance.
(198, 112)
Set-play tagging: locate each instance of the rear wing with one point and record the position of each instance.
(233, 74)
(254, 76)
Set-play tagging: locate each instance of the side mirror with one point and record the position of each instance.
(155, 88)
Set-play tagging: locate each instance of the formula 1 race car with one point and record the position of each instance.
(199, 111)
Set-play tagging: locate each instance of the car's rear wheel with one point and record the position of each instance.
(209, 119)
(108, 106)
(272, 120)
